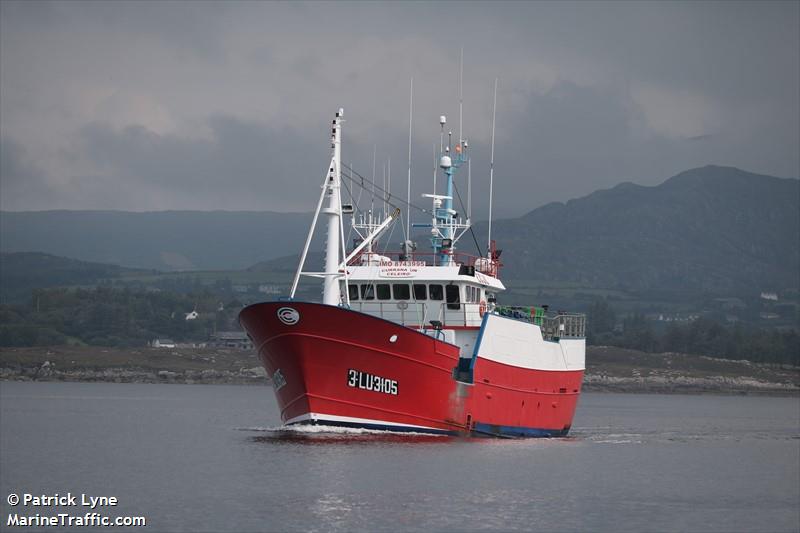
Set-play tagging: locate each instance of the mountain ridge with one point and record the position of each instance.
(711, 228)
(697, 229)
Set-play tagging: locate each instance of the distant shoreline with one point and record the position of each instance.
(712, 389)
(609, 369)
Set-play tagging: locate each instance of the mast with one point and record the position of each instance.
(447, 165)
(445, 214)
(335, 269)
(331, 294)
(442, 214)
(446, 226)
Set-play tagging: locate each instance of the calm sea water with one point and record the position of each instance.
(213, 458)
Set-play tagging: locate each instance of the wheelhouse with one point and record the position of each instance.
(415, 294)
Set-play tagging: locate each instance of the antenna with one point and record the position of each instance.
(442, 122)
(491, 166)
(385, 205)
(469, 191)
(461, 97)
(388, 185)
(408, 191)
(435, 170)
(374, 153)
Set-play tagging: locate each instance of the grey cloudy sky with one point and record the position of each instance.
(225, 105)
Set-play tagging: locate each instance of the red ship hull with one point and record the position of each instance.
(335, 366)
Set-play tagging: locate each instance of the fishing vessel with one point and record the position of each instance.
(415, 341)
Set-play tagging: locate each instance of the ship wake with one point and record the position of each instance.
(322, 433)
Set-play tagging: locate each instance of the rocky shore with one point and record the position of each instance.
(687, 385)
(611, 369)
(608, 369)
(49, 372)
(139, 365)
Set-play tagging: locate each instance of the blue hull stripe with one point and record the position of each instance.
(490, 430)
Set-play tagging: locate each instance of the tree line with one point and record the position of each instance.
(702, 336)
(104, 316)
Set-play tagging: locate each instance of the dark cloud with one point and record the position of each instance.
(156, 105)
(22, 181)
(241, 166)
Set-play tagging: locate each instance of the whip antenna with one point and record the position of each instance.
(461, 97)
(491, 165)
(408, 190)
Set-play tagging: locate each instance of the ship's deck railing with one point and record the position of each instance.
(481, 264)
(420, 314)
(554, 326)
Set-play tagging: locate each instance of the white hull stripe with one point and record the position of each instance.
(321, 418)
(520, 344)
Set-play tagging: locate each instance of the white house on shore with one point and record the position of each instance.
(163, 343)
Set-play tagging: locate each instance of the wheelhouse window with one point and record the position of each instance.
(420, 291)
(453, 297)
(473, 294)
(400, 291)
(436, 292)
(367, 292)
(383, 291)
(353, 291)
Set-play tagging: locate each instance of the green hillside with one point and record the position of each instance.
(22, 272)
(716, 229)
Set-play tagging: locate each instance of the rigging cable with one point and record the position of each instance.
(474, 238)
(387, 194)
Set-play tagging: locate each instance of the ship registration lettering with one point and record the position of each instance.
(363, 380)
